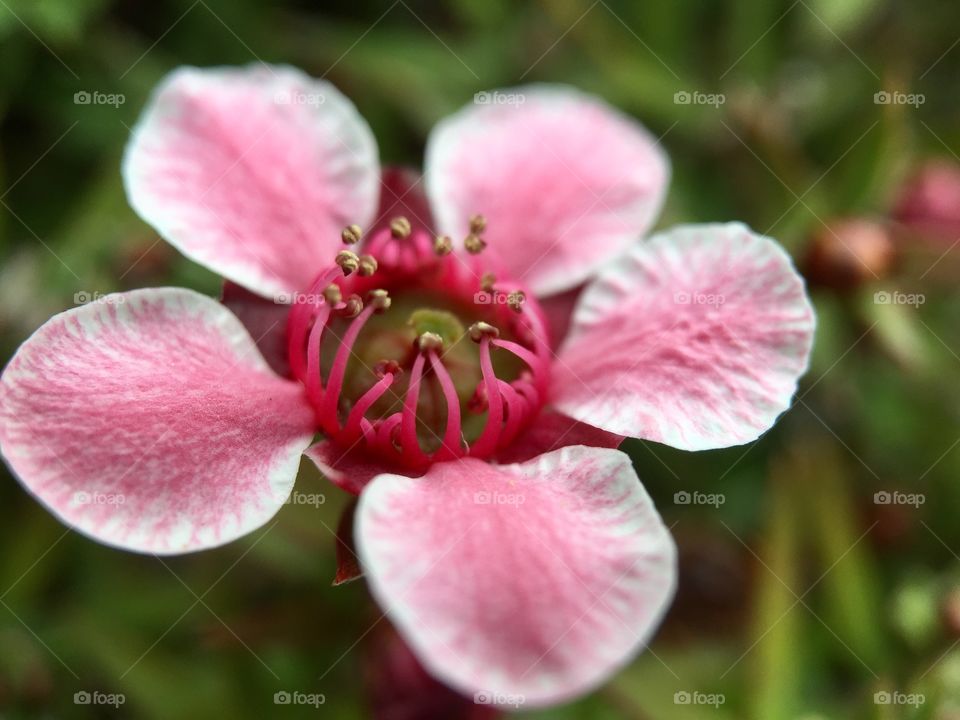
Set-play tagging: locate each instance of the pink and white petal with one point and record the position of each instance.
(265, 320)
(558, 312)
(551, 431)
(402, 193)
(349, 468)
(566, 182)
(149, 421)
(537, 580)
(252, 172)
(696, 339)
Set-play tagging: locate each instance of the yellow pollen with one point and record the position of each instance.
(515, 300)
(480, 330)
(474, 244)
(332, 294)
(351, 234)
(429, 341)
(400, 228)
(351, 307)
(348, 261)
(367, 265)
(380, 300)
(442, 245)
(478, 223)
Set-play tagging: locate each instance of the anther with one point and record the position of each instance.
(515, 300)
(367, 265)
(487, 282)
(348, 261)
(480, 330)
(442, 245)
(478, 223)
(351, 308)
(379, 299)
(351, 234)
(332, 294)
(400, 227)
(474, 244)
(429, 341)
(386, 366)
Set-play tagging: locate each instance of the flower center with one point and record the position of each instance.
(416, 353)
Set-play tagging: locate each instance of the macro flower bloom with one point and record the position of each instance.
(471, 355)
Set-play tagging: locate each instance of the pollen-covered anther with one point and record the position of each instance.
(480, 330)
(429, 341)
(348, 261)
(351, 307)
(385, 367)
(474, 244)
(351, 234)
(400, 228)
(332, 294)
(487, 282)
(367, 265)
(442, 245)
(478, 223)
(515, 300)
(379, 299)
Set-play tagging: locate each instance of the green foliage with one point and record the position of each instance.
(797, 140)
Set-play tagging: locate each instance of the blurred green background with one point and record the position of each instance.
(802, 595)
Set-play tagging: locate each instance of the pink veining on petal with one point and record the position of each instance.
(150, 421)
(567, 181)
(538, 579)
(552, 431)
(697, 340)
(252, 171)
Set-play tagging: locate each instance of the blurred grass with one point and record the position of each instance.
(798, 141)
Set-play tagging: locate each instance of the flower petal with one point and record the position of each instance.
(265, 320)
(149, 421)
(696, 340)
(536, 580)
(552, 431)
(350, 469)
(565, 181)
(252, 172)
(402, 193)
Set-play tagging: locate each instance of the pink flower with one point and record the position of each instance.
(513, 547)
(929, 202)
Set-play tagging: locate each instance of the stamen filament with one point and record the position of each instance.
(331, 396)
(451, 446)
(487, 442)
